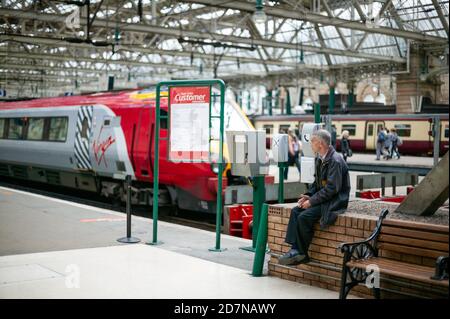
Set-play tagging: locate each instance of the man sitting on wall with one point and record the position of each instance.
(327, 197)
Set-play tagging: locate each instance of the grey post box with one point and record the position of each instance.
(247, 151)
(280, 148)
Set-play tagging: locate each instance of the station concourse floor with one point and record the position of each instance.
(51, 248)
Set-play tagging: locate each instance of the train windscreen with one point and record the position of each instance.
(234, 118)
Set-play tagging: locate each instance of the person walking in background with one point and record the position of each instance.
(395, 142)
(294, 152)
(345, 145)
(387, 145)
(381, 139)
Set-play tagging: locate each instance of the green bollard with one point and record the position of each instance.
(331, 100)
(259, 197)
(281, 168)
(317, 113)
(261, 243)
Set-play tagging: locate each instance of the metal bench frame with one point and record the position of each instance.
(366, 249)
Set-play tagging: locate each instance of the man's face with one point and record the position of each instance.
(315, 144)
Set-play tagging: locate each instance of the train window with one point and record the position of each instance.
(351, 128)
(2, 127)
(15, 128)
(58, 129)
(403, 129)
(284, 129)
(163, 120)
(268, 129)
(370, 130)
(84, 128)
(35, 129)
(445, 131)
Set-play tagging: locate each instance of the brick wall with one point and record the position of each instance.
(325, 268)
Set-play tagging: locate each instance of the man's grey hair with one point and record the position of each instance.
(323, 135)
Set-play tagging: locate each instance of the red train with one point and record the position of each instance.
(91, 142)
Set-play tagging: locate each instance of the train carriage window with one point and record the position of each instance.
(58, 129)
(35, 131)
(403, 129)
(2, 127)
(163, 120)
(268, 129)
(351, 128)
(445, 131)
(370, 130)
(284, 129)
(15, 131)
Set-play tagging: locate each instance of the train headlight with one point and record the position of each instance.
(214, 163)
(215, 168)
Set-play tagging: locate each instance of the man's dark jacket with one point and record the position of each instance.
(331, 188)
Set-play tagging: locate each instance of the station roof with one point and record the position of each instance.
(54, 43)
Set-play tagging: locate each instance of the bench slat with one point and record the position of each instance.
(409, 233)
(412, 250)
(427, 244)
(400, 269)
(416, 225)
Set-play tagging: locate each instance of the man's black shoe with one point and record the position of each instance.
(293, 257)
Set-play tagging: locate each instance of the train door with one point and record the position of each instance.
(269, 131)
(372, 128)
(83, 135)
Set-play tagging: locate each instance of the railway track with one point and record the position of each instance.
(167, 213)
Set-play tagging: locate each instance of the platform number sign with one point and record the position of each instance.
(189, 109)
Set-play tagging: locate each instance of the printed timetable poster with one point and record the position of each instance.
(189, 124)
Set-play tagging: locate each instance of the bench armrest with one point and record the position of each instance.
(441, 270)
(365, 248)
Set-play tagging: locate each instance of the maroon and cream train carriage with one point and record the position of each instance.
(413, 129)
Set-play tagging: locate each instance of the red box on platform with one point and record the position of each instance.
(240, 219)
(369, 194)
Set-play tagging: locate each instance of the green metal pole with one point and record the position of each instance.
(269, 102)
(260, 251)
(331, 100)
(288, 102)
(259, 197)
(281, 168)
(300, 98)
(316, 113)
(156, 168)
(350, 97)
(219, 188)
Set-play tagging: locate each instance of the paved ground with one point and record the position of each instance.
(55, 249)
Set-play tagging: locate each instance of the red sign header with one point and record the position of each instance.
(189, 95)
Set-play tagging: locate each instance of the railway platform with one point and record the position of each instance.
(366, 162)
(51, 248)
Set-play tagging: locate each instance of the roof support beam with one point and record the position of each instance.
(131, 48)
(338, 30)
(441, 15)
(322, 43)
(176, 33)
(278, 11)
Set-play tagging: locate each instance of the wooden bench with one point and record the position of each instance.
(411, 251)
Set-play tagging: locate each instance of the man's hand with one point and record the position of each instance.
(302, 199)
(306, 204)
